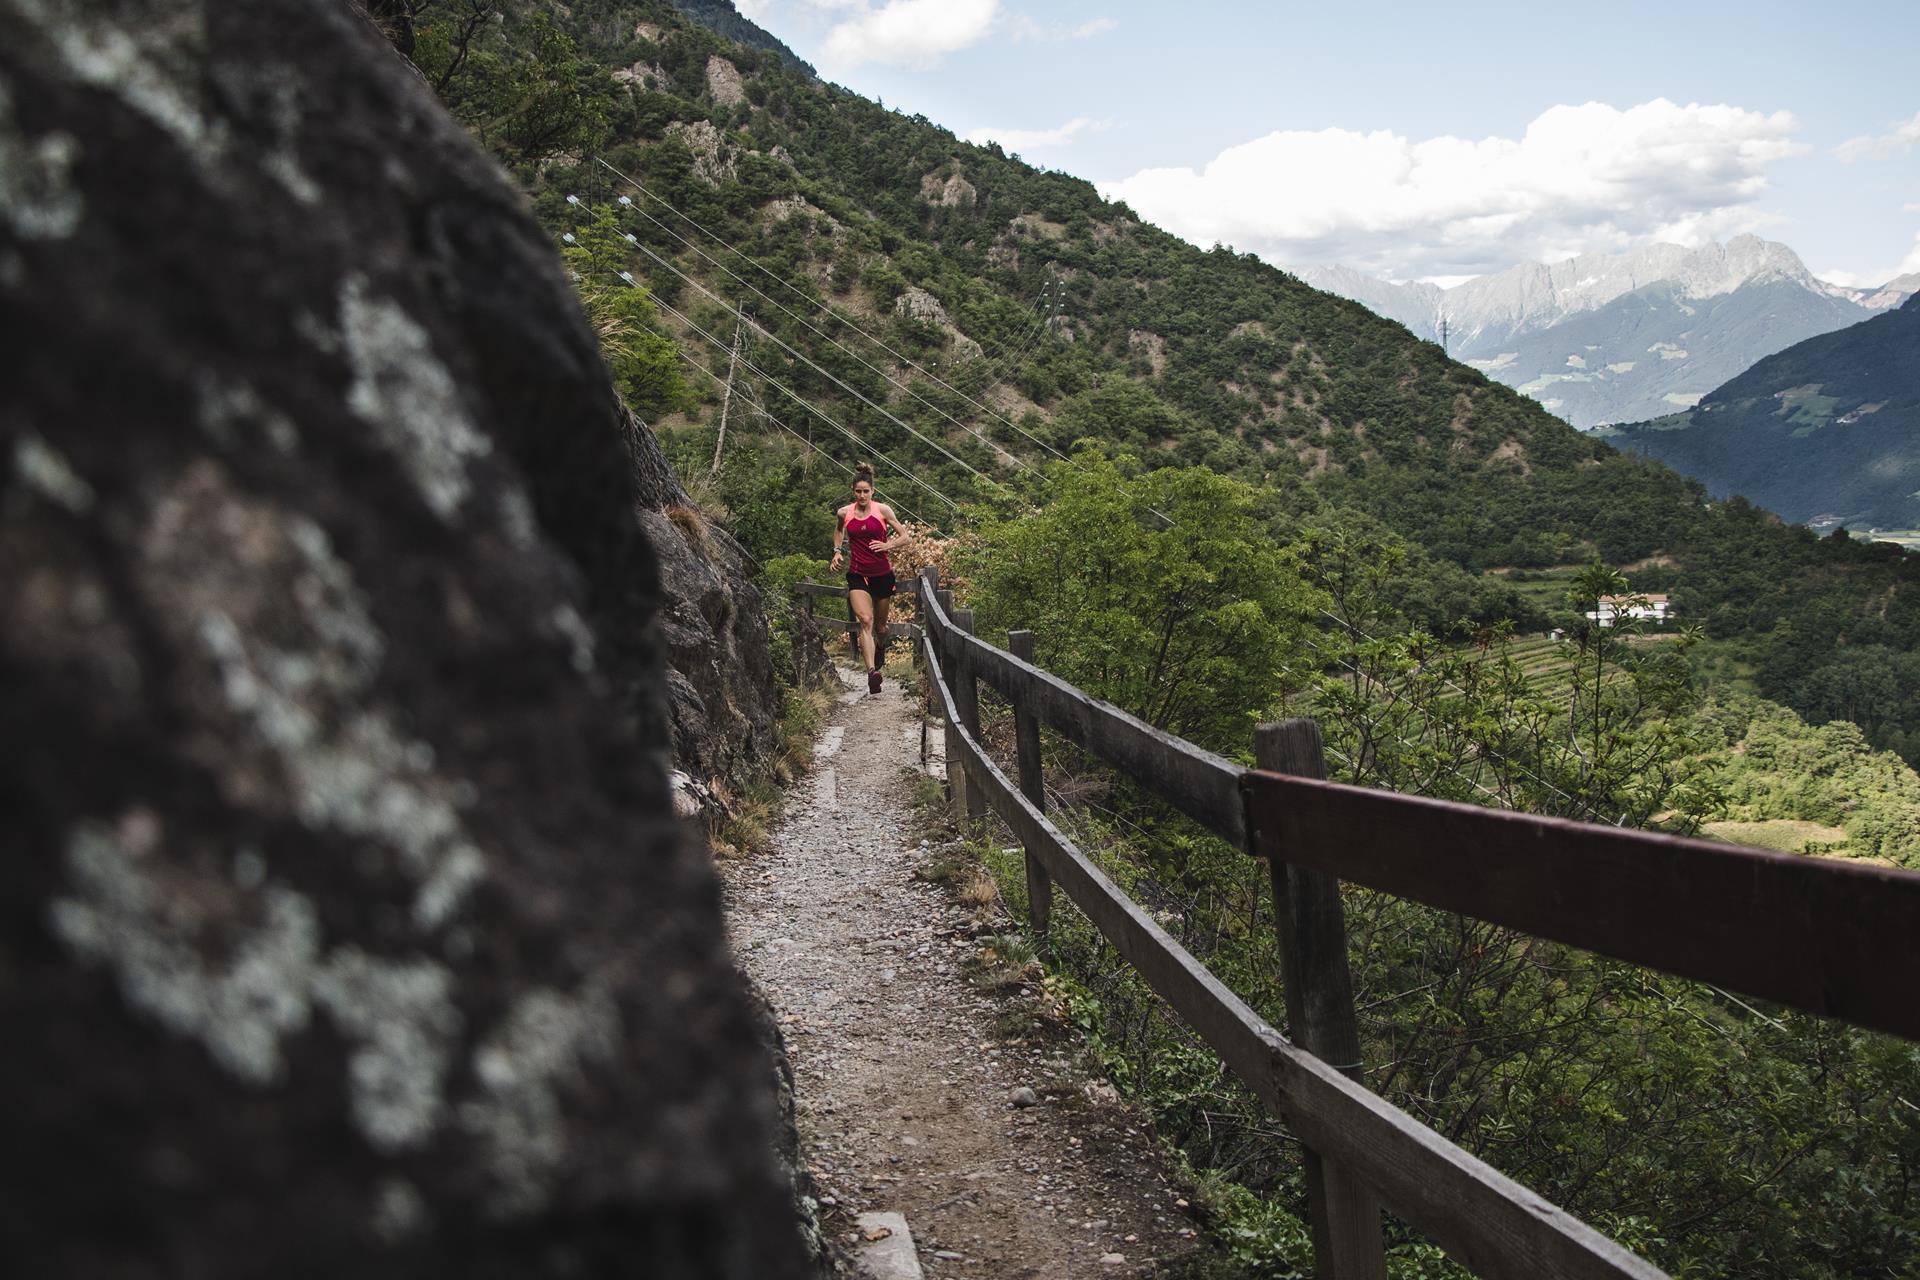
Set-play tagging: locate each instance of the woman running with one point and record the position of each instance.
(867, 524)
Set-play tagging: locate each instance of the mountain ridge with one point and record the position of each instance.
(1828, 427)
(1604, 338)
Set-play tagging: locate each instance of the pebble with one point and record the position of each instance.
(1024, 1097)
(1113, 1259)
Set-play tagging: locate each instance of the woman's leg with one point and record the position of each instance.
(881, 608)
(862, 603)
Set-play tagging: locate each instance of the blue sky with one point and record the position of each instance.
(1428, 141)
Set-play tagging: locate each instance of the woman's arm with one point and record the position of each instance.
(839, 534)
(896, 533)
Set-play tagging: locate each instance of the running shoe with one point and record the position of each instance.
(873, 680)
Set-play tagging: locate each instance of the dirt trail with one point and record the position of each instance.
(904, 1085)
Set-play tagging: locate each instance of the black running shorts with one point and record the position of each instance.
(880, 586)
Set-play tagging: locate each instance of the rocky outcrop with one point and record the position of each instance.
(645, 75)
(721, 699)
(950, 191)
(725, 85)
(720, 687)
(713, 161)
(346, 927)
(917, 304)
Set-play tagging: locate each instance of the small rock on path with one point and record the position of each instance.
(902, 1082)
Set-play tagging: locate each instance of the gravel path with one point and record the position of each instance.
(904, 1085)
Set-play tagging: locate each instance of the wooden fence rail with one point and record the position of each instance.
(810, 590)
(1821, 935)
(908, 588)
(1831, 938)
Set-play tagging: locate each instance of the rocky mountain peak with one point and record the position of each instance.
(1893, 293)
(1533, 295)
(1616, 337)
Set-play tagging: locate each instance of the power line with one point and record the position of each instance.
(1033, 316)
(1007, 366)
(865, 445)
(911, 513)
(807, 405)
(1017, 461)
(827, 310)
(1047, 313)
(812, 364)
(822, 307)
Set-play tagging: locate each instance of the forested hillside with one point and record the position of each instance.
(1217, 494)
(1830, 426)
(1020, 312)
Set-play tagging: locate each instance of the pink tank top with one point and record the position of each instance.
(862, 531)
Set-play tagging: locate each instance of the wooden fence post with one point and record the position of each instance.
(966, 700)
(1026, 733)
(929, 579)
(949, 730)
(1312, 923)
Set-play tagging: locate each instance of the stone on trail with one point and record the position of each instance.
(345, 926)
(1024, 1097)
(885, 1248)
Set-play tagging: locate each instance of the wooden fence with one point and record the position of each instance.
(1828, 937)
(809, 591)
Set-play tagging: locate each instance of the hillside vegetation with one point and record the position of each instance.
(1216, 495)
(1830, 426)
(1048, 315)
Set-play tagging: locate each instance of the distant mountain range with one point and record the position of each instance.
(1606, 338)
(1830, 428)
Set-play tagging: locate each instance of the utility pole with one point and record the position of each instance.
(726, 395)
(1443, 335)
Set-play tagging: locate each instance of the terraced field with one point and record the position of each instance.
(1547, 663)
(1784, 835)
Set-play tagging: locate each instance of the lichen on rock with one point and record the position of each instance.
(403, 390)
(349, 928)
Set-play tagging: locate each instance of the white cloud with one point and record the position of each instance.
(1025, 140)
(1874, 279)
(1581, 179)
(1023, 28)
(912, 33)
(1902, 135)
(1910, 208)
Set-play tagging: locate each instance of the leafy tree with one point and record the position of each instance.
(645, 365)
(1159, 591)
(513, 76)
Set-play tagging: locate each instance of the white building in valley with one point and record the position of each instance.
(1647, 608)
